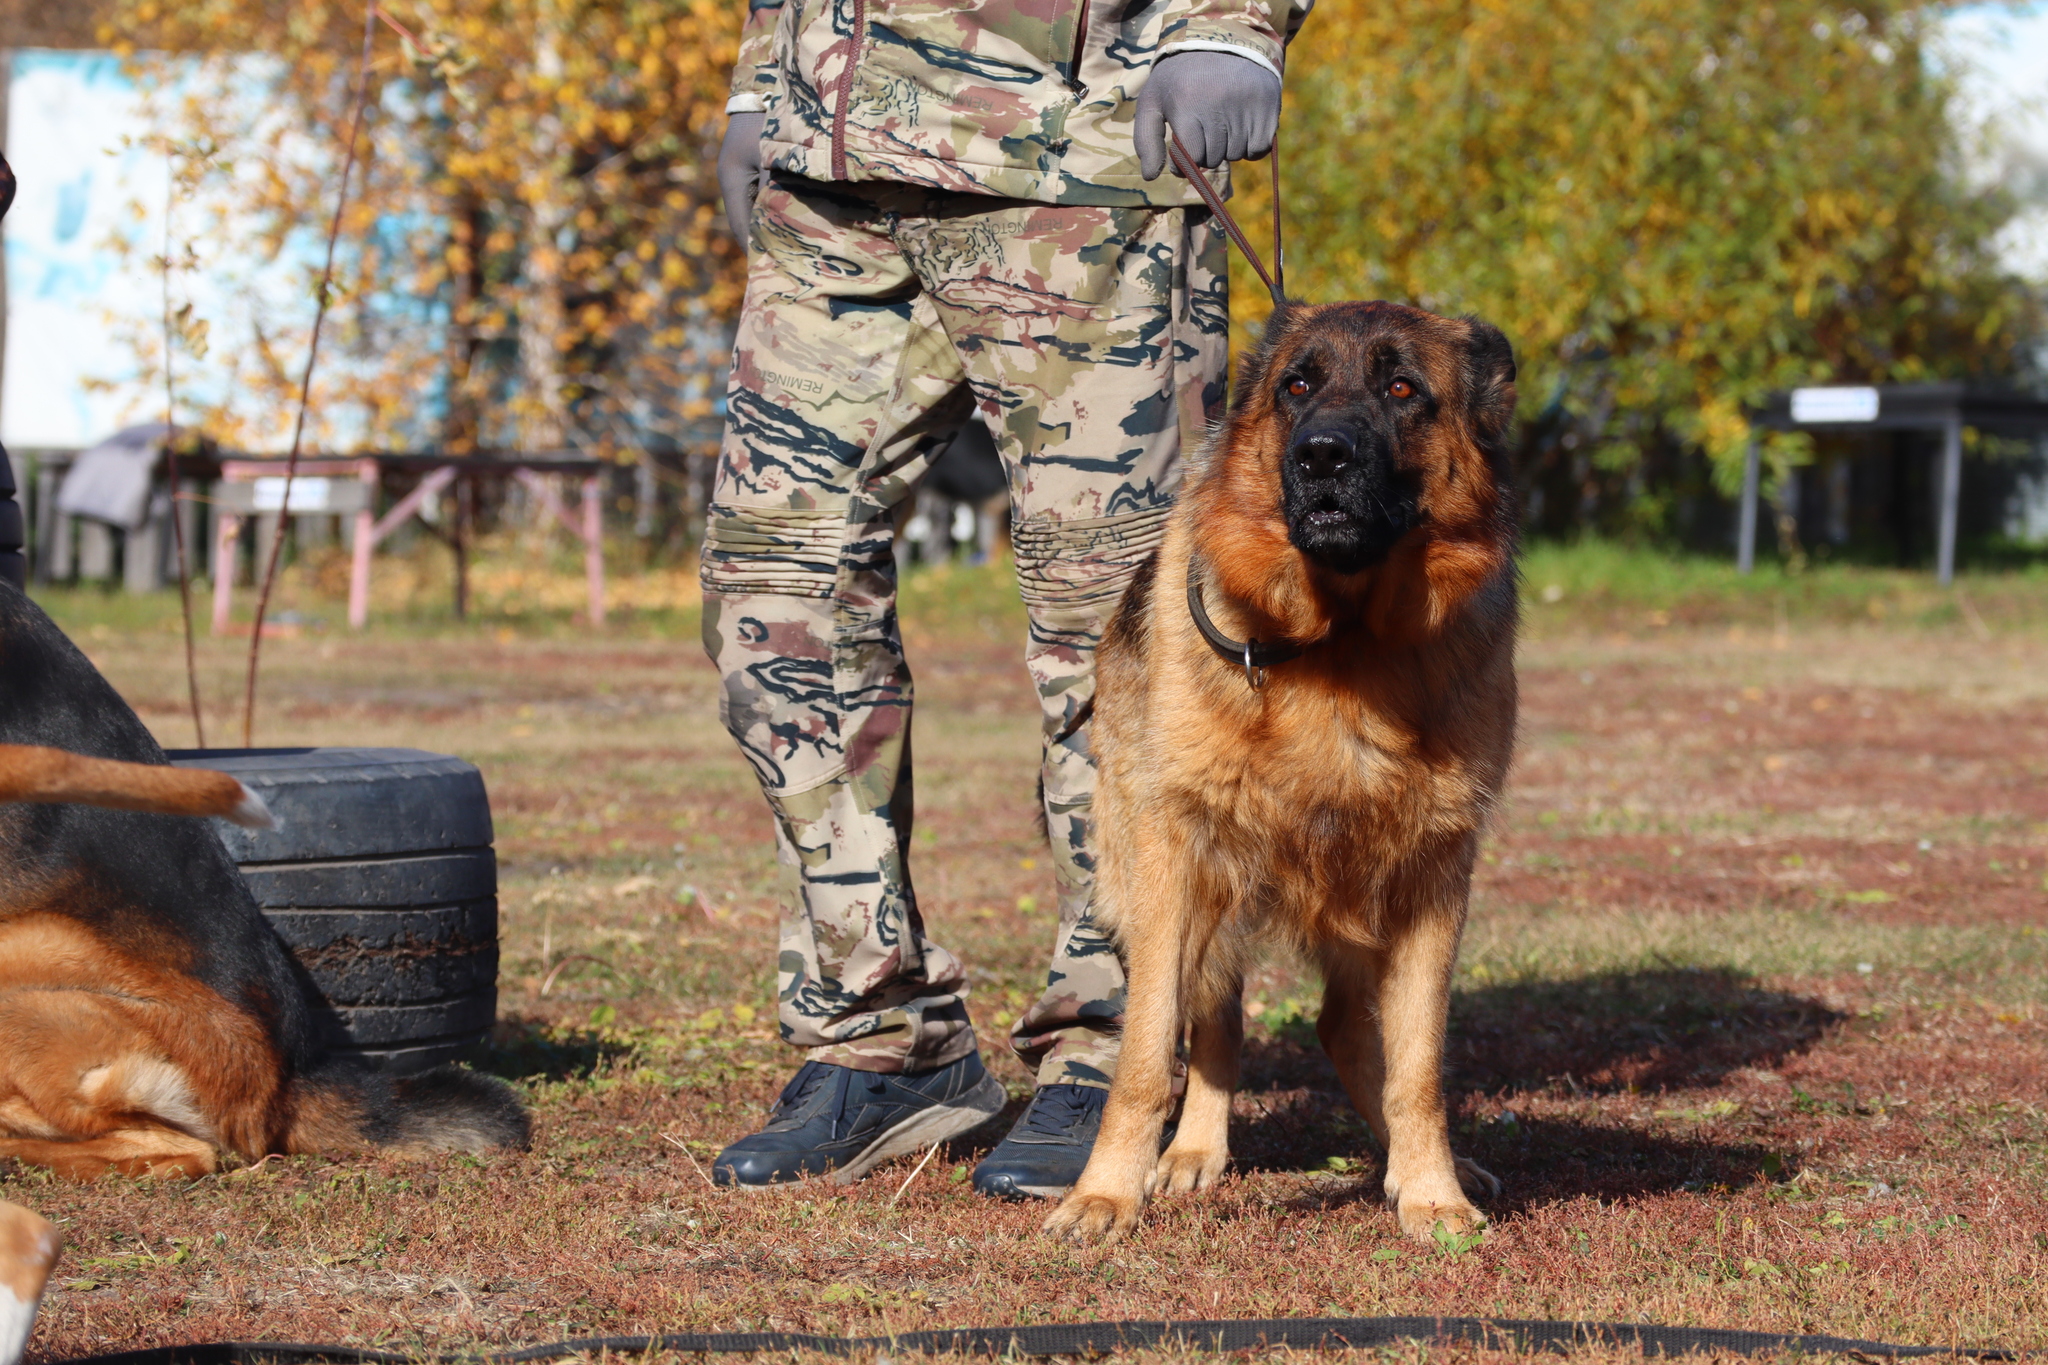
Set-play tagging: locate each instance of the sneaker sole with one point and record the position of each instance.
(1037, 1192)
(922, 1129)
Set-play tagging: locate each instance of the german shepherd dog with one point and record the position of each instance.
(1304, 713)
(150, 1018)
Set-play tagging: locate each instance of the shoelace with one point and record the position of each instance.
(1055, 1113)
(798, 1092)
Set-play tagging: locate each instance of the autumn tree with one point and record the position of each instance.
(1671, 206)
(533, 255)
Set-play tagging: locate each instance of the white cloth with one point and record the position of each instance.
(111, 482)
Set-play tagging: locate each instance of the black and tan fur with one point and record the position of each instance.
(1356, 504)
(150, 1018)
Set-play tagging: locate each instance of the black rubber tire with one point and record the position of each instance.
(382, 882)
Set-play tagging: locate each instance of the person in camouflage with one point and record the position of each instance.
(956, 215)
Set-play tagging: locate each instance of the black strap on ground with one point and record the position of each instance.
(1093, 1338)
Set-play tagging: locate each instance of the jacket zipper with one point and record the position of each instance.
(860, 34)
(1080, 45)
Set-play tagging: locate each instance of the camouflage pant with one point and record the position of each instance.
(879, 318)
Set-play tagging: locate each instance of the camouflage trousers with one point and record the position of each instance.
(879, 319)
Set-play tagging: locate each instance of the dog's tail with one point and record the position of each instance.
(339, 1107)
(30, 773)
(28, 1252)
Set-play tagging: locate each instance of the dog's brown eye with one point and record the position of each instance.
(1400, 388)
(1297, 387)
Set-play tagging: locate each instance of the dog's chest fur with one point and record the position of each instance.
(1307, 795)
(1301, 776)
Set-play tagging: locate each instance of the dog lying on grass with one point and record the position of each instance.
(1304, 713)
(150, 1018)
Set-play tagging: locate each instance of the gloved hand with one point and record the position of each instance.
(740, 172)
(1225, 108)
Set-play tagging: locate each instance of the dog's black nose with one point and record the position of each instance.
(1320, 454)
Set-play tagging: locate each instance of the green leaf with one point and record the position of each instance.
(1456, 1243)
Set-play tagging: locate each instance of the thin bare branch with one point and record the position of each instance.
(171, 454)
(677, 1143)
(291, 467)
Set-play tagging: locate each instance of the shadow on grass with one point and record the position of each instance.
(1594, 1035)
(531, 1050)
(1647, 1030)
(1550, 1161)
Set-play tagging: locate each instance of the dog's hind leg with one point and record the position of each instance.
(85, 1088)
(125, 1151)
(1349, 1028)
(1195, 1159)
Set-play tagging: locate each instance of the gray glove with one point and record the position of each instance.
(741, 175)
(1224, 107)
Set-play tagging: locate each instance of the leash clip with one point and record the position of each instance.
(1253, 674)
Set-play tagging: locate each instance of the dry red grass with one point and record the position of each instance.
(1750, 1021)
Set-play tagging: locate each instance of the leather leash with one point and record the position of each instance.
(1254, 656)
(1276, 282)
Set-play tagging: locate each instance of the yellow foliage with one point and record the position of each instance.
(538, 173)
(1671, 206)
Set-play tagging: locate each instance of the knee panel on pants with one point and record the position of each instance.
(786, 551)
(1077, 565)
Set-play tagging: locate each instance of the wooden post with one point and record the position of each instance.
(1951, 496)
(365, 542)
(370, 532)
(593, 546)
(227, 527)
(142, 557)
(1745, 534)
(463, 490)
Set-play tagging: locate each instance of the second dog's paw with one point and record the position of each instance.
(1086, 1219)
(1181, 1171)
(1476, 1180)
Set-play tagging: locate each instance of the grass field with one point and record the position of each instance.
(1752, 1019)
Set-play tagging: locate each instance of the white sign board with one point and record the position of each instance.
(1834, 405)
(308, 495)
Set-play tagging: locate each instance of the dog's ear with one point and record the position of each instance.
(1489, 378)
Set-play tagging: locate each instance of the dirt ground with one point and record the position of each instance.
(1751, 1020)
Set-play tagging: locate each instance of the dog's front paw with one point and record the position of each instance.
(1179, 1171)
(1476, 1180)
(1431, 1204)
(1430, 1220)
(1094, 1218)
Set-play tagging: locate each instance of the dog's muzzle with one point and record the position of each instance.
(1346, 503)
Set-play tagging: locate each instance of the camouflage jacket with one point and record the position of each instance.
(1028, 99)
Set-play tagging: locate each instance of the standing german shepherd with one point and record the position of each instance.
(1305, 709)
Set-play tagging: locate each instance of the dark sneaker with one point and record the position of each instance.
(1045, 1153)
(838, 1122)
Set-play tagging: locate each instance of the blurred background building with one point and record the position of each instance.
(1672, 207)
